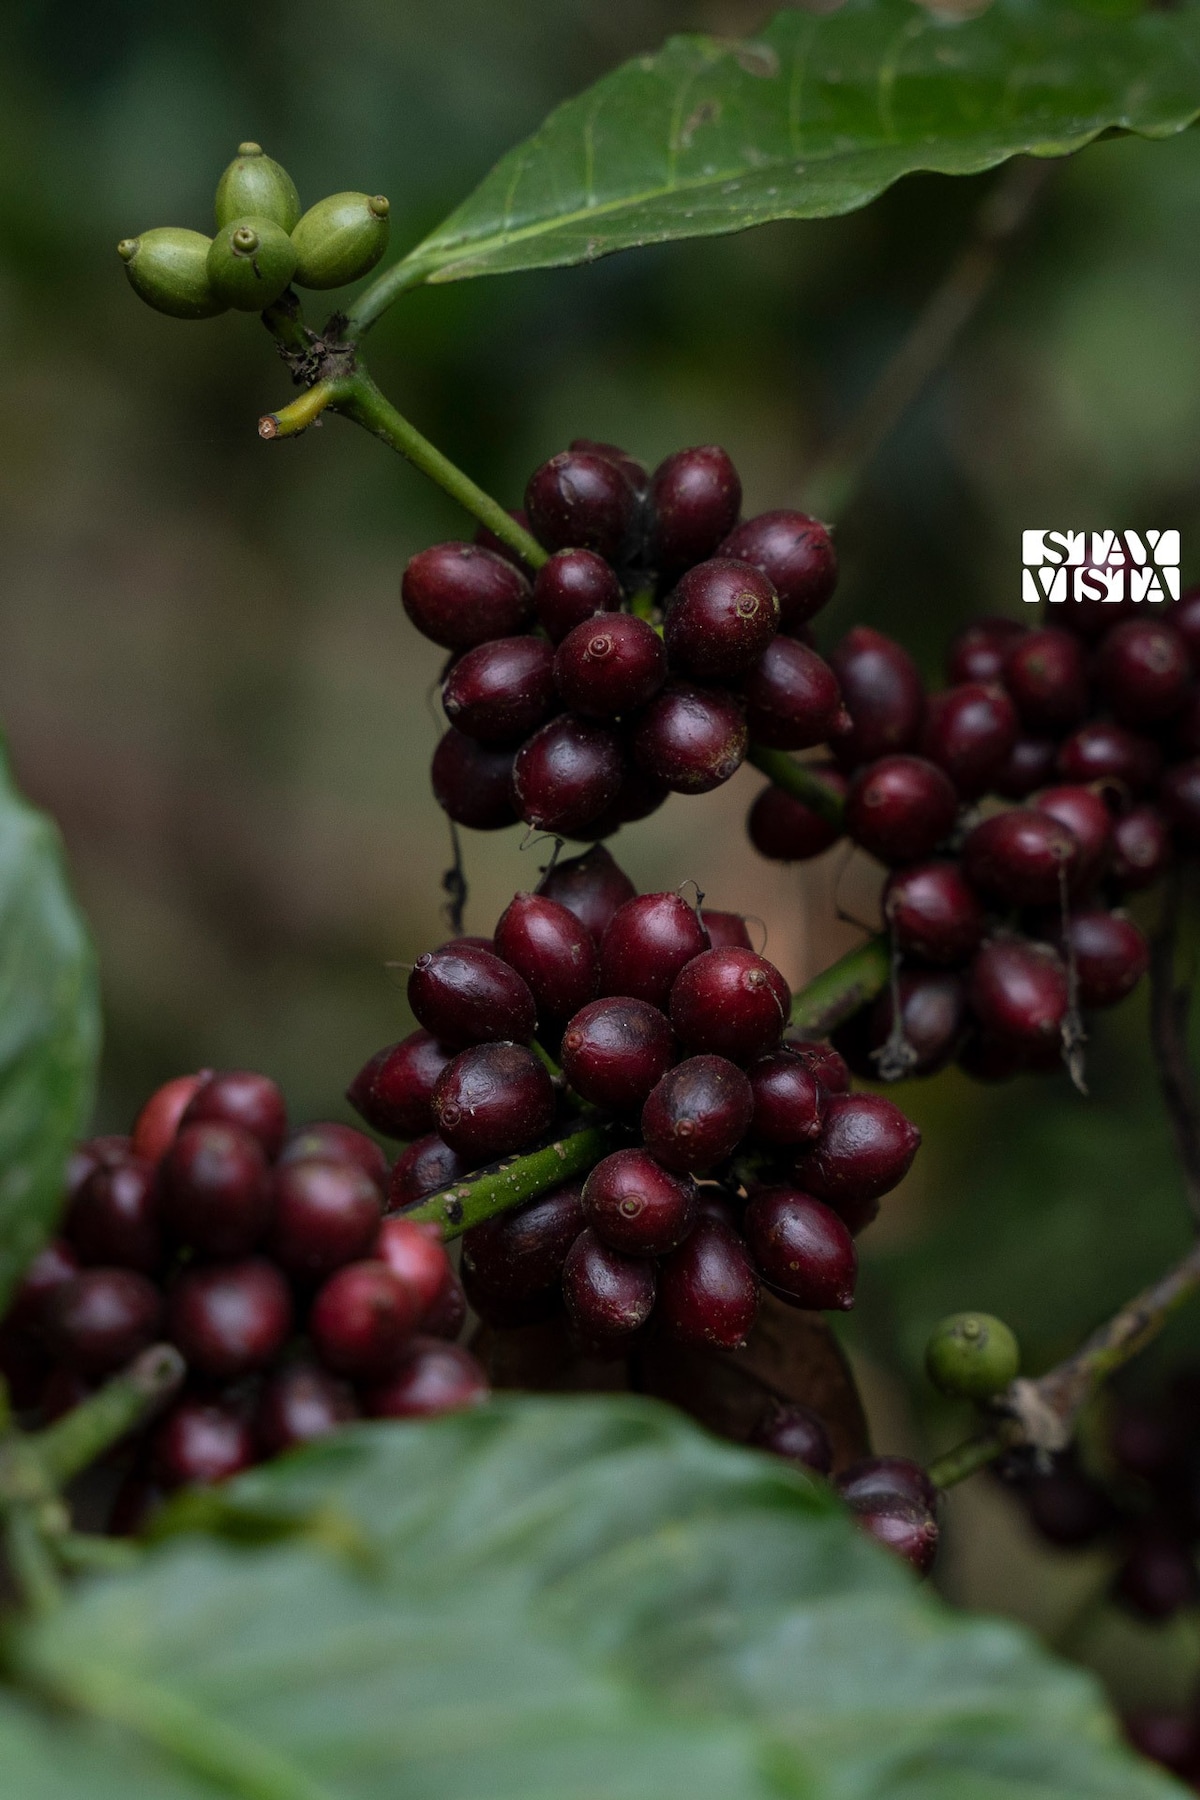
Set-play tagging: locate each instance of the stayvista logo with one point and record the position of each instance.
(1099, 565)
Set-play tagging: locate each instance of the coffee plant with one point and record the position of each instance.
(296, 1504)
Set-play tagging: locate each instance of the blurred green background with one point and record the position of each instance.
(207, 677)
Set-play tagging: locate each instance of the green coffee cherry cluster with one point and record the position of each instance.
(972, 1356)
(263, 243)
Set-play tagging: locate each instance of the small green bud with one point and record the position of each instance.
(168, 268)
(255, 187)
(339, 239)
(250, 264)
(972, 1356)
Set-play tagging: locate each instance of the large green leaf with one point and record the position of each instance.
(584, 1599)
(815, 116)
(49, 1027)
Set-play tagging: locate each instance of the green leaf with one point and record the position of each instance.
(583, 1599)
(49, 1027)
(814, 117)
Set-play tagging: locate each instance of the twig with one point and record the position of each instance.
(490, 1191)
(843, 988)
(84, 1433)
(1170, 1005)
(798, 780)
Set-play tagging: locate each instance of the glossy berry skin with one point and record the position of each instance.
(802, 1248)
(877, 1480)
(300, 1403)
(900, 808)
(1018, 992)
(609, 665)
(971, 1356)
(1179, 796)
(500, 691)
(792, 697)
(785, 830)
(216, 1189)
(695, 498)
(427, 1165)
(1109, 753)
(580, 501)
(114, 1218)
(55, 1263)
(907, 1531)
(637, 1206)
(708, 1290)
(200, 1443)
(1111, 955)
(865, 1150)
(393, 1091)
(518, 1256)
(882, 693)
(648, 942)
(468, 996)
(551, 950)
(241, 1097)
(726, 931)
(969, 731)
(1088, 820)
(1144, 670)
(325, 1214)
(431, 1378)
(414, 1251)
(788, 1101)
(330, 1141)
(448, 1314)
(567, 773)
(697, 1114)
(155, 1126)
(99, 1319)
(615, 1051)
(608, 1295)
(796, 555)
(691, 738)
(1141, 848)
(795, 1434)
(1030, 764)
(573, 586)
(461, 595)
(1020, 857)
(491, 1101)
(977, 653)
(720, 619)
(635, 472)
(472, 783)
(733, 1003)
(933, 1014)
(591, 886)
(826, 1065)
(362, 1318)
(934, 913)
(638, 796)
(229, 1318)
(1046, 674)
(1158, 1576)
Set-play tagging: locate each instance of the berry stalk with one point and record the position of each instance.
(75, 1441)
(798, 780)
(844, 987)
(455, 1209)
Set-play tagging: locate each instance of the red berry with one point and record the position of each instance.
(155, 1126)
(393, 1091)
(785, 830)
(609, 665)
(500, 691)
(726, 930)
(55, 1263)
(493, 1100)
(552, 950)
(882, 693)
(430, 1378)
(326, 1214)
(1030, 764)
(416, 1254)
(933, 912)
(698, 1114)
(1141, 848)
(804, 1251)
(708, 1288)
(1111, 955)
(114, 1218)
(796, 555)
(1020, 857)
(865, 1150)
(1045, 672)
(908, 1531)
(468, 996)
(300, 1403)
(573, 586)
(329, 1141)
(614, 1051)
(731, 1002)
(692, 738)
(977, 653)
(567, 773)
(933, 1016)
(638, 796)
(969, 731)
(461, 595)
(1018, 992)
(719, 621)
(581, 501)
(472, 784)
(635, 472)
(876, 1480)
(200, 1443)
(1180, 798)
(427, 1165)
(448, 1314)
(362, 1318)
(823, 1062)
(792, 697)
(788, 1101)
(796, 1434)
(696, 496)
(591, 886)
(1102, 751)
(240, 1097)
(637, 1206)
(101, 1318)
(217, 1195)
(648, 941)
(900, 808)
(608, 1295)
(517, 1257)
(229, 1318)
(1089, 821)
(1144, 671)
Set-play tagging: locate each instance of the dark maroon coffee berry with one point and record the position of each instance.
(648, 941)
(488, 540)
(493, 1100)
(580, 501)
(865, 1150)
(1029, 765)
(155, 1126)
(695, 498)
(518, 1256)
(1111, 955)
(792, 697)
(708, 1288)
(362, 1318)
(615, 1051)
(1045, 672)
(92, 1154)
(326, 1214)
(877, 1480)
(969, 731)
(114, 1218)
(461, 595)
(1141, 848)
(796, 555)
(933, 1021)
(691, 738)
(1158, 1576)
(977, 653)
(933, 912)
(720, 619)
(907, 1531)
(468, 996)
(567, 773)
(802, 1248)
(788, 1101)
(573, 586)
(473, 784)
(608, 1295)
(427, 1165)
(636, 473)
(330, 1141)
(431, 1378)
(552, 950)
(785, 830)
(1067, 1508)
(55, 1263)
(591, 886)
(1089, 821)
(1020, 857)
(881, 691)
(240, 1097)
(101, 1318)
(1104, 752)
(823, 1062)
(500, 691)
(200, 1443)
(731, 1002)
(609, 665)
(795, 1434)
(229, 1318)
(900, 808)
(414, 1251)
(216, 1189)
(726, 930)
(637, 1206)
(638, 796)
(698, 1114)
(1180, 798)
(1018, 992)
(393, 1091)
(300, 1403)
(1143, 670)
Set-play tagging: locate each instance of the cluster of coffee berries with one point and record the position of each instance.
(263, 243)
(661, 639)
(265, 1257)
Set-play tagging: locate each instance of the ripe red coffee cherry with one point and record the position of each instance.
(427, 1165)
(580, 501)
(1088, 820)
(392, 1092)
(114, 1218)
(473, 784)
(788, 1101)
(1020, 857)
(638, 796)
(698, 1114)
(1158, 1576)
(978, 651)
(796, 555)
(500, 691)
(493, 1100)
(785, 830)
(1030, 764)
(726, 930)
(933, 912)
(648, 941)
(908, 1531)
(329, 1141)
(635, 472)
(200, 1443)
(1180, 798)
(430, 1378)
(1045, 672)
(216, 1190)
(155, 1126)
(708, 1288)
(1141, 850)
(240, 1097)
(969, 731)
(720, 619)
(1144, 670)
(415, 1253)
(824, 1063)
(796, 1434)
(637, 1206)
(609, 665)
(591, 886)
(300, 1403)
(468, 996)
(691, 738)
(567, 773)
(1111, 955)
(461, 595)
(229, 1318)
(1018, 992)
(573, 586)
(55, 1263)
(877, 1480)
(864, 1151)
(933, 1017)
(615, 1051)
(552, 950)
(448, 1314)
(881, 691)
(326, 1214)
(101, 1318)
(608, 1295)
(696, 496)
(517, 1257)
(792, 697)
(731, 1002)
(900, 808)
(802, 1248)
(362, 1318)
(1105, 752)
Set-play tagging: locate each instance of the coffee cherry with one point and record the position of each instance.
(933, 912)
(168, 269)
(823, 1062)
(615, 1051)
(608, 1295)
(1104, 752)
(698, 1114)
(933, 1021)
(300, 1403)
(240, 1097)
(256, 186)
(708, 1290)
(692, 738)
(638, 796)
(865, 1150)
(216, 1193)
(487, 540)
(726, 931)
(610, 664)
(472, 784)
(971, 1356)
(326, 1214)
(1067, 1508)
(567, 773)
(1018, 992)
(339, 239)
(591, 886)
(155, 1126)
(792, 697)
(427, 1165)
(55, 1263)
(467, 996)
(978, 651)
(969, 731)
(100, 1319)
(635, 472)
(431, 1378)
(573, 586)
(461, 595)
(1111, 955)
(788, 1101)
(92, 1154)
(550, 948)
(1089, 821)
(796, 555)
(114, 1218)
(500, 691)
(1158, 1576)
(882, 693)
(720, 619)
(696, 496)
(1180, 798)
(795, 1434)
(1030, 764)
(907, 1531)
(1144, 671)
(200, 1443)
(249, 263)
(329, 1141)
(491, 1101)
(637, 1206)
(1020, 857)
(900, 808)
(415, 1253)
(393, 1091)
(512, 1264)
(804, 1251)
(785, 830)
(229, 1318)
(876, 1481)
(1141, 849)
(649, 940)
(731, 1002)
(448, 1314)
(1046, 675)
(362, 1318)
(581, 501)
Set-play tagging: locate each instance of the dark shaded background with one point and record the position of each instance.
(207, 677)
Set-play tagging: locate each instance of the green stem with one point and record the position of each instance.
(383, 292)
(798, 780)
(837, 994)
(285, 322)
(291, 420)
(30, 1561)
(479, 1197)
(89, 1429)
(969, 1457)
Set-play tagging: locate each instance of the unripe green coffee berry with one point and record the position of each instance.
(255, 187)
(971, 1356)
(168, 267)
(250, 263)
(339, 239)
